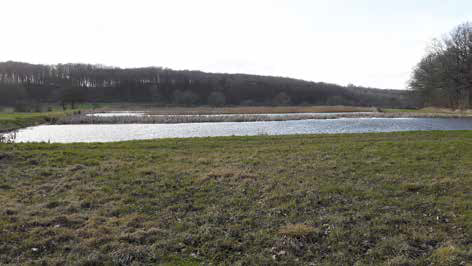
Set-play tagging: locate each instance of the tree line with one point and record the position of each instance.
(443, 77)
(70, 84)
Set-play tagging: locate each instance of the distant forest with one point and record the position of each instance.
(23, 84)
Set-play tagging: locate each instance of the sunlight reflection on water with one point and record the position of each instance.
(123, 132)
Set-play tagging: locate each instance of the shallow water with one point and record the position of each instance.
(123, 132)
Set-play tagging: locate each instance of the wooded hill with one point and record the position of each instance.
(73, 83)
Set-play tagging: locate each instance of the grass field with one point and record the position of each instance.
(363, 199)
(10, 120)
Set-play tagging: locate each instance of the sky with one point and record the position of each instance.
(373, 43)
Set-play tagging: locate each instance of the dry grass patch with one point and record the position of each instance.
(297, 230)
(241, 109)
(448, 255)
(228, 174)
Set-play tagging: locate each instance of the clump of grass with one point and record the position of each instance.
(297, 230)
(143, 237)
(447, 256)
(413, 187)
(219, 174)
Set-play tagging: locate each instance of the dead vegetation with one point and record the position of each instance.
(234, 110)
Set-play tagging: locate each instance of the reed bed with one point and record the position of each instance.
(174, 119)
(205, 110)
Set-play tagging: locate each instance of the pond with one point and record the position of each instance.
(124, 132)
(286, 115)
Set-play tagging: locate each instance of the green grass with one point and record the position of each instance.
(427, 110)
(13, 121)
(370, 199)
(10, 120)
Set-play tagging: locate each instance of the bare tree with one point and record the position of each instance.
(444, 76)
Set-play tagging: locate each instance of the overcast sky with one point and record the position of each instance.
(365, 42)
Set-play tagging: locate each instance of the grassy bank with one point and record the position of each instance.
(430, 110)
(13, 121)
(393, 199)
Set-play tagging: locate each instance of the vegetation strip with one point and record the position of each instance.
(392, 198)
(167, 119)
(14, 121)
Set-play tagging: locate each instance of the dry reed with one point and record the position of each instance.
(175, 119)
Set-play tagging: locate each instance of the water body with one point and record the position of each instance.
(124, 132)
(128, 113)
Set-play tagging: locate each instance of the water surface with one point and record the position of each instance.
(139, 114)
(123, 132)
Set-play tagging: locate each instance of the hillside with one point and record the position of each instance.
(73, 83)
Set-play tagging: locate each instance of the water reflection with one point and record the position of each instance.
(140, 114)
(124, 132)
